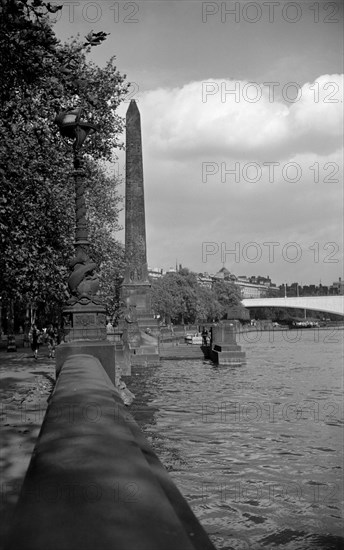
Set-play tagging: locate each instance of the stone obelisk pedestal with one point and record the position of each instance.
(139, 324)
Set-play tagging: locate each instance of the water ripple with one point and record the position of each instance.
(255, 450)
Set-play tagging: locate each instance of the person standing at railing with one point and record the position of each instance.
(205, 336)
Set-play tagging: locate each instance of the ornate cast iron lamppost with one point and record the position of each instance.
(84, 316)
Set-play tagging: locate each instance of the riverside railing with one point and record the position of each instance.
(93, 480)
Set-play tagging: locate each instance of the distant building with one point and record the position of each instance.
(225, 275)
(338, 287)
(205, 280)
(249, 290)
(250, 287)
(295, 289)
(256, 286)
(155, 272)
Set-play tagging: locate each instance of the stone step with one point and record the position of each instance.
(142, 350)
(144, 359)
(183, 351)
(227, 347)
(230, 353)
(228, 357)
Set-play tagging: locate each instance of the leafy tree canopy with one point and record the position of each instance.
(180, 298)
(41, 77)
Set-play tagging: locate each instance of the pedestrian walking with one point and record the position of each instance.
(52, 335)
(35, 340)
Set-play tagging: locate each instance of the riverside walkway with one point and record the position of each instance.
(25, 386)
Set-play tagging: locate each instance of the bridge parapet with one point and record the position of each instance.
(327, 304)
(93, 481)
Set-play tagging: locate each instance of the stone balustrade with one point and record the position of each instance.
(93, 480)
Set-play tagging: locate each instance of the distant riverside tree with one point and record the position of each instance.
(209, 308)
(40, 77)
(227, 294)
(178, 297)
(174, 297)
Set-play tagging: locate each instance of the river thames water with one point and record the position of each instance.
(256, 450)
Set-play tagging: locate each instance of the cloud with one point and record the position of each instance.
(182, 212)
(299, 201)
(244, 120)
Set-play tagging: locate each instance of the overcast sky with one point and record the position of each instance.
(241, 106)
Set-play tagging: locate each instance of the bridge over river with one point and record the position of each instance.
(328, 304)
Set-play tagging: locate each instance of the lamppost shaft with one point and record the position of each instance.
(81, 232)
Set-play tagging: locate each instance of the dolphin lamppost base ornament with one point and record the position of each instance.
(84, 315)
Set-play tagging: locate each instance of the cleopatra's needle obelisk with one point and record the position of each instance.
(135, 223)
(136, 288)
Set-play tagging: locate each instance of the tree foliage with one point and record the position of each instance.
(40, 77)
(227, 294)
(180, 298)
